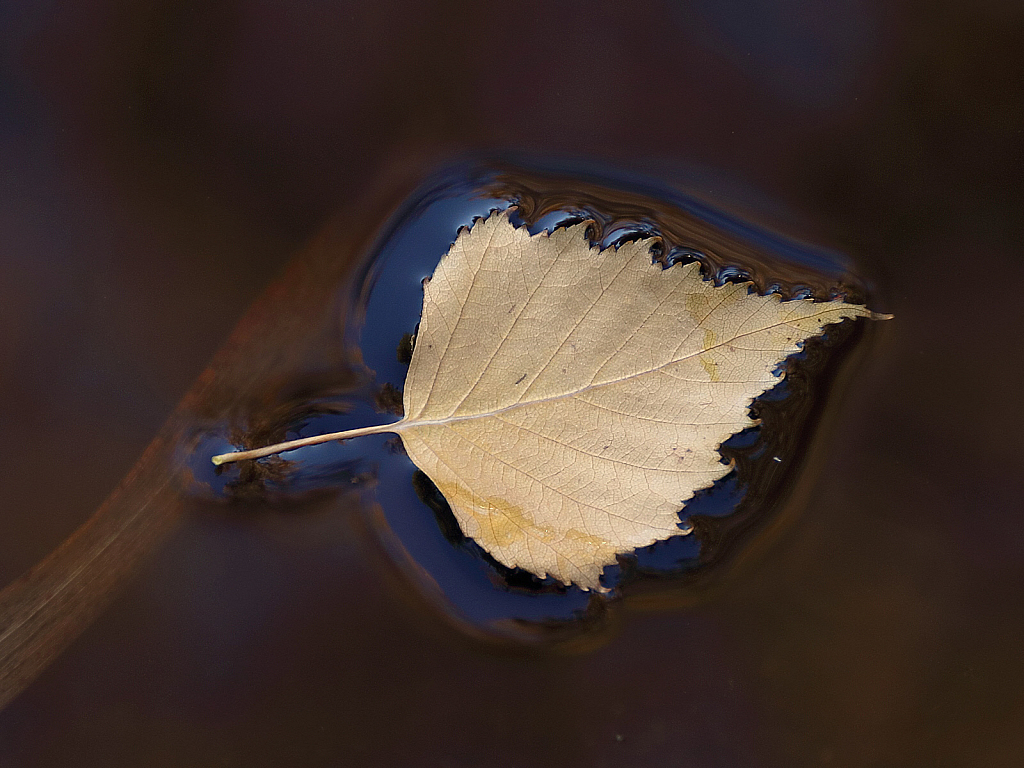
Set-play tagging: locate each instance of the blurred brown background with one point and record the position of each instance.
(161, 161)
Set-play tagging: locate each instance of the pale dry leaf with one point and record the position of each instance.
(568, 401)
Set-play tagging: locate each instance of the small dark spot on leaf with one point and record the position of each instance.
(520, 379)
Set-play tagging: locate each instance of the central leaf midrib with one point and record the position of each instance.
(407, 424)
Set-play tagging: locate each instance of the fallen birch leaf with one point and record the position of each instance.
(568, 401)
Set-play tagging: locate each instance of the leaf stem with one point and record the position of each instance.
(270, 450)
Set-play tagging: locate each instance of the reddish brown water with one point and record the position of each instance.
(161, 163)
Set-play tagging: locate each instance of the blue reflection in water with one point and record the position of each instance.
(384, 304)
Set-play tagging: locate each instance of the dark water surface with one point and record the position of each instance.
(860, 603)
(377, 309)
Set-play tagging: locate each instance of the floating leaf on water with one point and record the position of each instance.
(568, 401)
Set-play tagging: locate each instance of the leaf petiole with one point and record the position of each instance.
(270, 450)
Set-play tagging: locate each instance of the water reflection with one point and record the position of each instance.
(379, 310)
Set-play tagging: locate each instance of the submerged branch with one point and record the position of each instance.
(46, 609)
